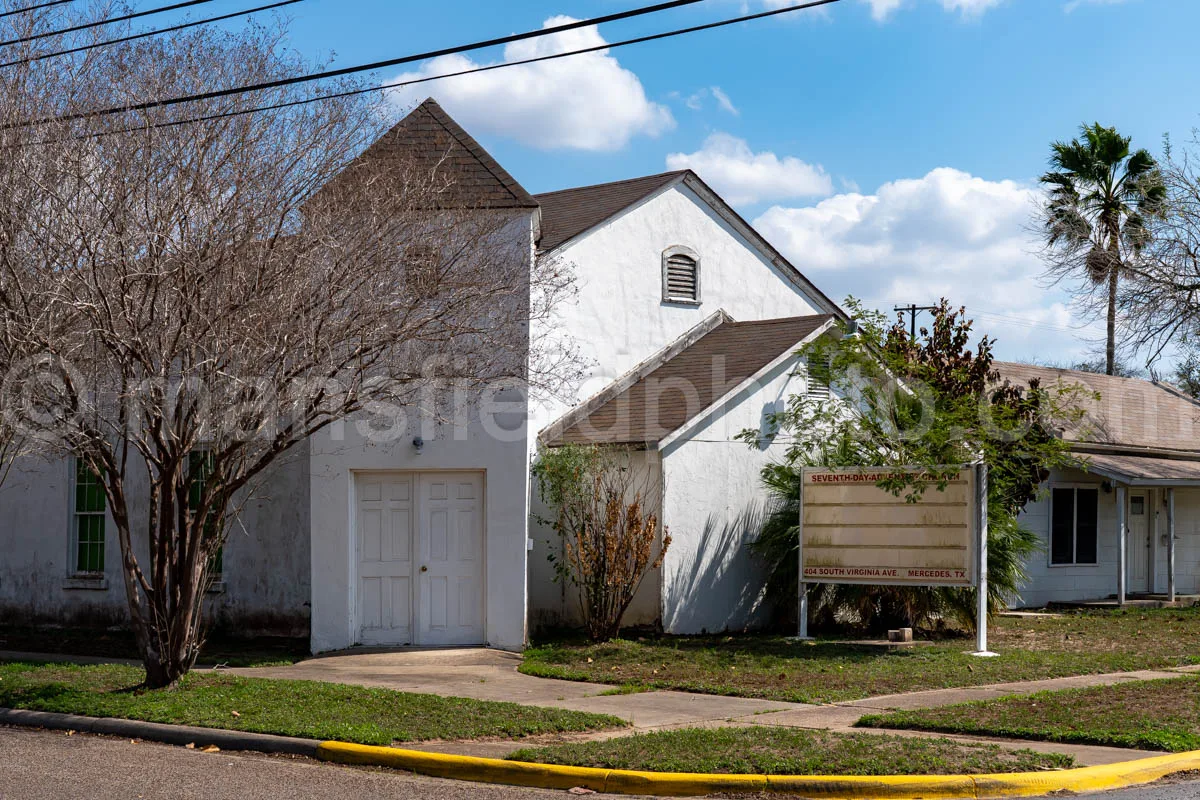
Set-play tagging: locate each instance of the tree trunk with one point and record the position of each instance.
(167, 618)
(1114, 275)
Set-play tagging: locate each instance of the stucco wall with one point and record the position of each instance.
(713, 503)
(618, 318)
(1089, 582)
(455, 437)
(554, 602)
(264, 587)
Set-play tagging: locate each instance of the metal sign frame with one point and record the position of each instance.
(979, 524)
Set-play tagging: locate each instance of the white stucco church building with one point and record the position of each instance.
(688, 322)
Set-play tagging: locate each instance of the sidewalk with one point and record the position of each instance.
(492, 675)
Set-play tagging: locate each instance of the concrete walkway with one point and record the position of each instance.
(492, 675)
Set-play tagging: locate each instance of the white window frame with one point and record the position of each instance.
(73, 571)
(1074, 563)
(680, 250)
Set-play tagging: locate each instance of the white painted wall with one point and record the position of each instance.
(618, 319)
(263, 589)
(1073, 583)
(712, 581)
(497, 444)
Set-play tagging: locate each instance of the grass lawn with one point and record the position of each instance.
(777, 668)
(262, 651)
(293, 708)
(1148, 715)
(788, 751)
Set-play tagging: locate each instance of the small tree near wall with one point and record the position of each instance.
(603, 507)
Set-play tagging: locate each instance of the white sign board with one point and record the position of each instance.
(856, 532)
(852, 531)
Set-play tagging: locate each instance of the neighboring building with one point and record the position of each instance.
(1139, 460)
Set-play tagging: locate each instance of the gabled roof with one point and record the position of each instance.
(428, 139)
(1130, 415)
(664, 393)
(570, 212)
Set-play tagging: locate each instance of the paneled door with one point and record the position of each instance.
(384, 528)
(420, 544)
(1139, 543)
(451, 559)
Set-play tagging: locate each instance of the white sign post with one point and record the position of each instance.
(852, 531)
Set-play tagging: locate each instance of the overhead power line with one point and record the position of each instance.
(392, 62)
(146, 34)
(99, 23)
(486, 68)
(27, 9)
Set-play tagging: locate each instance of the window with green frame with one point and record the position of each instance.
(200, 466)
(88, 520)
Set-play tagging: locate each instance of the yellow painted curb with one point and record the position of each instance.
(824, 787)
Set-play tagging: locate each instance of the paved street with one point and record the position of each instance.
(43, 765)
(39, 765)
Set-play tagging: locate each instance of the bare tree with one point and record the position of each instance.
(188, 302)
(1162, 298)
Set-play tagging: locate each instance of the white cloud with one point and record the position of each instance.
(881, 10)
(584, 102)
(947, 234)
(696, 100)
(1074, 4)
(723, 101)
(742, 176)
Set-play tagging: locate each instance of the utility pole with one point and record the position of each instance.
(912, 311)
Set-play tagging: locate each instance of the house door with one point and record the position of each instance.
(451, 608)
(420, 558)
(1139, 543)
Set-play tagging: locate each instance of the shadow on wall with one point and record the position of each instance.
(720, 584)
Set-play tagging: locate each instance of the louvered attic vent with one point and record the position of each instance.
(681, 278)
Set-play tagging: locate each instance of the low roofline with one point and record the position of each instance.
(683, 430)
(642, 369)
(1125, 479)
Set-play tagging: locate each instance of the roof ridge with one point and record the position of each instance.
(485, 159)
(670, 173)
(778, 320)
(1083, 372)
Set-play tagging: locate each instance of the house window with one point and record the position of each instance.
(87, 521)
(1073, 513)
(680, 276)
(421, 271)
(200, 467)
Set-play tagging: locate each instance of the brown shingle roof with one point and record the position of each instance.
(1130, 412)
(1142, 468)
(569, 212)
(428, 139)
(663, 398)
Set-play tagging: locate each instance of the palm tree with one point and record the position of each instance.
(1101, 195)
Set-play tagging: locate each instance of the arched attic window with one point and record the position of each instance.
(681, 275)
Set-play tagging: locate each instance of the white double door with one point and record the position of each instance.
(420, 547)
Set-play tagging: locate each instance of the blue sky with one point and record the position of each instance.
(889, 147)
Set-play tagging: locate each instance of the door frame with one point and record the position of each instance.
(1147, 546)
(415, 587)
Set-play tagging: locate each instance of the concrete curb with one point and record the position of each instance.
(158, 732)
(552, 776)
(824, 787)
